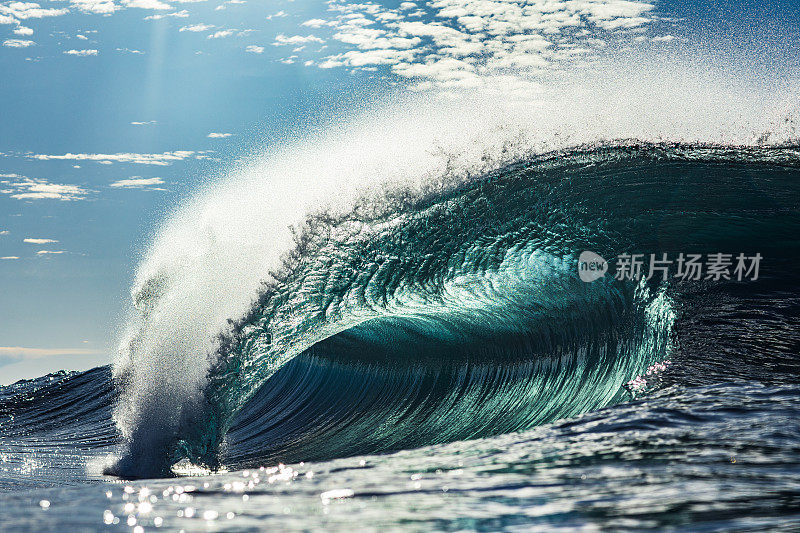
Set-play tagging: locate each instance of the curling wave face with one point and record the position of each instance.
(454, 312)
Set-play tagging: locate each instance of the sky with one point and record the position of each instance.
(114, 111)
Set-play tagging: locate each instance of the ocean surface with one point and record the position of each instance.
(431, 359)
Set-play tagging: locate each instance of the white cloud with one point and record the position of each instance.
(10, 257)
(50, 252)
(177, 14)
(130, 51)
(366, 39)
(315, 23)
(29, 10)
(4, 232)
(279, 14)
(24, 188)
(22, 30)
(30, 240)
(197, 27)
(162, 159)
(355, 58)
(614, 9)
(223, 6)
(220, 34)
(81, 53)
(626, 23)
(253, 49)
(214, 135)
(136, 183)
(102, 7)
(17, 43)
(295, 40)
(145, 123)
(462, 42)
(147, 4)
(664, 38)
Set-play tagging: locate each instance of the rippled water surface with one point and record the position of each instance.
(714, 458)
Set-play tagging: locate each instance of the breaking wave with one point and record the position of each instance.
(410, 278)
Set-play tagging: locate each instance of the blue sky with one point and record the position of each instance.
(115, 110)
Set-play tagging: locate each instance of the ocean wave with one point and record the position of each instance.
(453, 313)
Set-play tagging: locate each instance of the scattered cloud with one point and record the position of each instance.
(137, 183)
(29, 10)
(30, 240)
(448, 44)
(129, 51)
(100, 7)
(197, 27)
(81, 53)
(315, 23)
(50, 252)
(464, 43)
(17, 43)
(225, 5)
(295, 40)
(24, 188)
(145, 123)
(147, 4)
(162, 159)
(9, 258)
(4, 232)
(176, 14)
(220, 34)
(214, 135)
